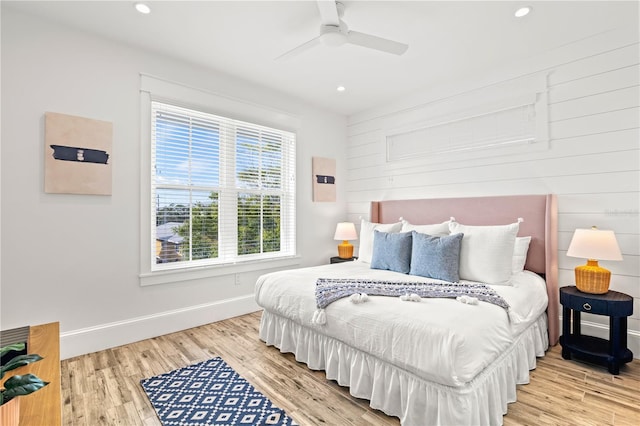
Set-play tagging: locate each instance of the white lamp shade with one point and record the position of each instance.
(594, 244)
(345, 231)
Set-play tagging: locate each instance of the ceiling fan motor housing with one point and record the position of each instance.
(333, 35)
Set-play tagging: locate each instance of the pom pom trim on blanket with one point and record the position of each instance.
(328, 290)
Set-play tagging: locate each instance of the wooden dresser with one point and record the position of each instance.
(42, 407)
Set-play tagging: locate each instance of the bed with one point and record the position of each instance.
(444, 360)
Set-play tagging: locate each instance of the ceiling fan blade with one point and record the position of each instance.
(328, 12)
(377, 43)
(298, 50)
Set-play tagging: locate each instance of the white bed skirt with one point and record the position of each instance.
(415, 401)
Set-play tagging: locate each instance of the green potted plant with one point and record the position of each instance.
(16, 386)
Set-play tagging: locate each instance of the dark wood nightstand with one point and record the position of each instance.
(337, 259)
(617, 306)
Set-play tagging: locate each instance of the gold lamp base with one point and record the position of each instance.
(345, 250)
(592, 278)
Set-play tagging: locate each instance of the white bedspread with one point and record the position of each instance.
(440, 340)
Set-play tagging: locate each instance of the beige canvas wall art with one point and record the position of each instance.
(324, 179)
(77, 155)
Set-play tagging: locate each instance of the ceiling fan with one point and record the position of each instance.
(334, 32)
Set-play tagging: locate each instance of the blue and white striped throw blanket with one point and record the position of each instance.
(328, 290)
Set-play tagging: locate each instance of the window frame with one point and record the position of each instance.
(155, 89)
(483, 105)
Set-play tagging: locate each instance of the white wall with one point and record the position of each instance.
(592, 163)
(75, 259)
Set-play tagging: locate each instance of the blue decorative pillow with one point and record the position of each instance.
(391, 251)
(436, 257)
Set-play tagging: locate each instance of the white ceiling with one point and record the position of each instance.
(448, 40)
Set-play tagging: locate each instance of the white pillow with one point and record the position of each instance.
(520, 254)
(486, 252)
(437, 229)
(365, 250)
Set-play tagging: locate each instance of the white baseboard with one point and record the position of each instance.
(97, 338)
(602, 331)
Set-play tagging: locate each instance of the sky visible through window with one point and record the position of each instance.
(188, 154)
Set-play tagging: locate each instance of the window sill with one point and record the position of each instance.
(195, 273)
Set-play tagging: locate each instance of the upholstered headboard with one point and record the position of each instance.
(539, 214)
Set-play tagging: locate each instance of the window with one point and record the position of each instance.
(222, 190)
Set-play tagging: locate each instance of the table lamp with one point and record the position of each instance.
(345, 231)
(593, 244)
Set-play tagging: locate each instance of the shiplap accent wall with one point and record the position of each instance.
(592, 162)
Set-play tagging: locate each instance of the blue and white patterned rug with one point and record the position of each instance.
(210, 393)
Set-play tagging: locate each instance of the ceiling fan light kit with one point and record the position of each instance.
(334, 32)
(332, 36)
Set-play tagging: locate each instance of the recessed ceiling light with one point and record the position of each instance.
(143, 8)
(341, 88)
(523, 11)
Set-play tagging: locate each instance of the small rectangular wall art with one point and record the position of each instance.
(77, 155)
(324, 179)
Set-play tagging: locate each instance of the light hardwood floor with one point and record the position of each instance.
(103, 388)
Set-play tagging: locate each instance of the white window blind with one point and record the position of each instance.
(223, 190)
